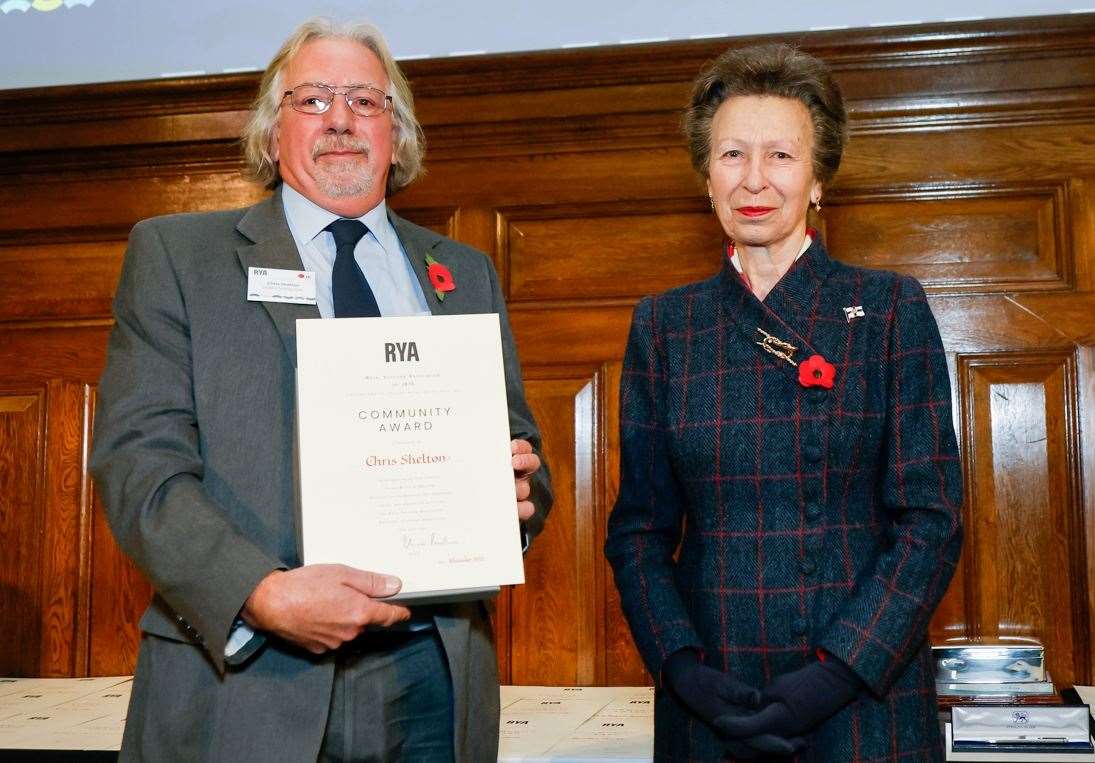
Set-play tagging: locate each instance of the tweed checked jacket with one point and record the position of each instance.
(806, 518)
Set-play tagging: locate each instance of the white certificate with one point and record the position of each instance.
(404, 452)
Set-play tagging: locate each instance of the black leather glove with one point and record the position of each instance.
(798, 701)
(711, 695)
(707, 693)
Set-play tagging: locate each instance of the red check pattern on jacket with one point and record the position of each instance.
(805, 518)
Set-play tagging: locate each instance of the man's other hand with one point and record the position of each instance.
(322, 606)
(525, 464)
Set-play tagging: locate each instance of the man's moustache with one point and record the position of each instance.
(327, 147)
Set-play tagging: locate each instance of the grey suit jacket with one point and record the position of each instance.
(194, 457)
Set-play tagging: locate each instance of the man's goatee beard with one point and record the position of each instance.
(342, 184)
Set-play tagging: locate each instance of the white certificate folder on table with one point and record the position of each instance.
(403, 436)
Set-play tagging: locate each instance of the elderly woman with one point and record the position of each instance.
(789, 507)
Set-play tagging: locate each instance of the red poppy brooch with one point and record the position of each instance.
(440, 278)
(816, 371)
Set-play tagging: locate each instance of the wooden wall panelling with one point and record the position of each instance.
(22, 520)
(70, 118)
(440, 220)
(1036, 342)
(1082, 195)
(112, 200)
(958, 237)
(41, 280)
(993, 155)
(552, 624)
(560, 178)
(36, 350)
(475, 226)
(66, 557)
(1024, 535)
(575, 331)
(1086, 365)
(1072, 318)
(62, 537)
(606, 251)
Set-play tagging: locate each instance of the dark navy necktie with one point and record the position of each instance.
(352, 296)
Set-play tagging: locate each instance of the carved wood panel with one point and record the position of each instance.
(552, 617)
(957, 237)
(58, 278)
(605, 251)
(22, 419)
(1025, 564)
(63, 537)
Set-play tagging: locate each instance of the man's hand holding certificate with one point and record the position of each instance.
(322, 606)
(525, 463)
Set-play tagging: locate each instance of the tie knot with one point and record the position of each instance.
(347, 232)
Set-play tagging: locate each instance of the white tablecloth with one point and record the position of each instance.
(576, 724)
(63, 713)
(539, 723)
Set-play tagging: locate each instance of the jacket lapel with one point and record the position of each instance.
(417, 243)
(273, 247)
(786, 313)
(797, 298)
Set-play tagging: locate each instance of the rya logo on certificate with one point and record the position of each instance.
(396, 352)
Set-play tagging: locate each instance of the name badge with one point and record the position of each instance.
(274, 285)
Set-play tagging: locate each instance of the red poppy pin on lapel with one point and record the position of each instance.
(816, 371)
(440, 278)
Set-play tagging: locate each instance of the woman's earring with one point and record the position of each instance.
(817, 205)
(712, 200)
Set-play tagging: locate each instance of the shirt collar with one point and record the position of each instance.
(307, 219)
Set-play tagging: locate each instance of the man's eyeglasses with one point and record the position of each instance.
(316, 99)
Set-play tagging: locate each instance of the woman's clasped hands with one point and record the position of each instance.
(758, 723)
(716, 697)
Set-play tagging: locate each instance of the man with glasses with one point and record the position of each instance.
(246, 655)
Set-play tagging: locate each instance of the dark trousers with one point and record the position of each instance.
(392, 701)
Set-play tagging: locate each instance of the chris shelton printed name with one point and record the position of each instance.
(407, 459)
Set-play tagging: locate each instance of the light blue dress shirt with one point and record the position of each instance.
(379, 255)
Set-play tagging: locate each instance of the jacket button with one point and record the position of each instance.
(798, 626)
(807, 566)
(811, 453)
(817, 396)
(813, 510)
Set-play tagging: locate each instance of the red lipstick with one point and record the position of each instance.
(755, 211)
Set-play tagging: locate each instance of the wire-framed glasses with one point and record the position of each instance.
(313, 98)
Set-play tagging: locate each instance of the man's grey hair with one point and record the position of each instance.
(410, 143)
